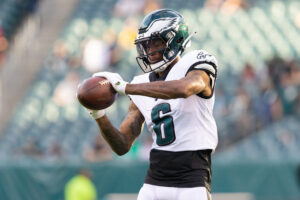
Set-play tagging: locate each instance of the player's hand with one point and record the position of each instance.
(115, 79)
(96, 114)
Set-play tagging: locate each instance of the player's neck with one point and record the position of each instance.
(160, 74)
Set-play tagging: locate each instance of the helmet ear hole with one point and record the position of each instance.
(179, 40)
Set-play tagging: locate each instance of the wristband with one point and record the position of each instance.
(96, 114)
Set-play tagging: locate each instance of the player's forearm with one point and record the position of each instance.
(162, 89)
(158, 89)
(117, 141)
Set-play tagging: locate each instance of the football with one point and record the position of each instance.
(96, 93)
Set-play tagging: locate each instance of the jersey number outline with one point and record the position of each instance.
(165, 135)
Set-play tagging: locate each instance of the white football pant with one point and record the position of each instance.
(154, 192)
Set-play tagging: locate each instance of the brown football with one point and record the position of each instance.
(96, 93)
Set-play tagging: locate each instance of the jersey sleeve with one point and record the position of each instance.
(205, 62)
(208, 63)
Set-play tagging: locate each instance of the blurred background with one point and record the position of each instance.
(48, 142)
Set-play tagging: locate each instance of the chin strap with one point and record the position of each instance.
(163, 67)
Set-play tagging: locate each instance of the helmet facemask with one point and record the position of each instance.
(151, 52)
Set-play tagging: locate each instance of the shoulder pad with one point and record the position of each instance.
(206, 57)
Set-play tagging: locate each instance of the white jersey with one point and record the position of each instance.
(182, 124)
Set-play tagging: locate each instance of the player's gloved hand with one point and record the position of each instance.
(96, 114)
(115, 79)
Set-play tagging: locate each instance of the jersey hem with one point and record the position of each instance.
(185, 185)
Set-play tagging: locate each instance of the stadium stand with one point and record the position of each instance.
(277, 142)
(229, 39)
(12, 12)
(257, 104)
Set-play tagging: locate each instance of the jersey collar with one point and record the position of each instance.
(153, 76)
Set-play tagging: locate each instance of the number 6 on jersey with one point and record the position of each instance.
(164, 126)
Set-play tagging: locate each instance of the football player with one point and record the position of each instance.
(175, 98)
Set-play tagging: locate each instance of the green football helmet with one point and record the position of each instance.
(166, 25)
